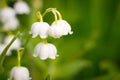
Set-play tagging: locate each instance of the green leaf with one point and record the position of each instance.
(2, 57)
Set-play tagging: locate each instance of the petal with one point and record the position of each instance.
(37, 49)
(34, 35)
(40, 28)
(35, 29)
(52, 51)
(12, 72)
(11, 24)
(44, 52)
(20, 73)
(65, 25)
(71, 32)
(61, 28)
(6, 14)
(44, 27)
(55, 31)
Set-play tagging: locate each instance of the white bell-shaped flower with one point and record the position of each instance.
(6, 14)
(59, 28)
(15, 45)
(21, 7)
(19, 73)
(45, 50)
(40, 28)
(12, 24)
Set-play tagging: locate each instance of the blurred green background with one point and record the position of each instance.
(92, 52)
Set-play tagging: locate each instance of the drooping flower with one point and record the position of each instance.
(15, 45)
(40, 28)
(45, 50)
(21, 7)
(12, 24)
(59, 28)
(19, 73)
(8, 19)
(6, 14)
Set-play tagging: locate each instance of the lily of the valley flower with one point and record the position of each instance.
(19, 73)
(40, 28)
(6, 14)
(8, 18)
(21, 7)
(12, 24)
(45, 50)
(59, 28)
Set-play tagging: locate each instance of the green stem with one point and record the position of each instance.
(19, 59)
(59, 15)
(55, 16)
(54, 11)
(27, 41)
(19, 52)
(46, 11)
(4, 4)
(44, 41)
(39, 16)
(2, 57)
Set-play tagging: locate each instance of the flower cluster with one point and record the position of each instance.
(10, 22)
(44, 50)
(8, 15)
(58, 29)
